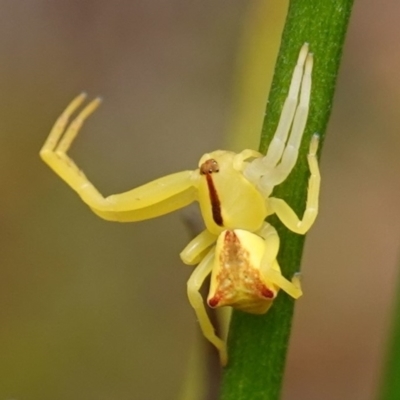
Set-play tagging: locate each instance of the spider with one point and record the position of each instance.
(238, 247)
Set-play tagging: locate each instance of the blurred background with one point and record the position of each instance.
(97, 310)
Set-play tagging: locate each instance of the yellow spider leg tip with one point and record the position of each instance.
(75, 125)
(305, 47)
(309, 63)
(89, 108)
(297, 276)
(314, 144)
(75, 103)
(303, 54)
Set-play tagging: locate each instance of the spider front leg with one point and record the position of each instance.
(271, 170)
(194, 284)
(283, 210)
(153, 199)
(290, 154)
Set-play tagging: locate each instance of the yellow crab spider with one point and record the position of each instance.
(238, 248)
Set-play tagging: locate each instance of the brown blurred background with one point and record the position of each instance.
(97, 310)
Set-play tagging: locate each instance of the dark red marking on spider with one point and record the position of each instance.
(208, 168)
(269, 294)
(214, 301)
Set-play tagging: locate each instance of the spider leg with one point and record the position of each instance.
(274, 275)
(59, 127)
(269, 265)
(272, 242)
(195, 251)
(68, 137)
(277, 145)
(147, 201)
(259, 167)
(194, 284)
(289, 157)
(283, 210)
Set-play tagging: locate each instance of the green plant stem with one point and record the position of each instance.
(258, 344)
(390, 385)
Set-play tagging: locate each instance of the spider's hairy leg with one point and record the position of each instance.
(193, 286)
(269, 265)
(147, 201)
(259, 167)
(282, 209)
(195, 251)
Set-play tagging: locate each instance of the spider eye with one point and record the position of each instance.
(208, 167)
